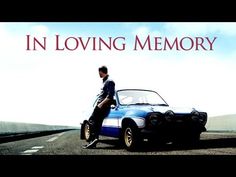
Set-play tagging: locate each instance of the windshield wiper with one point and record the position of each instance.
(148, 104)
(162, 104)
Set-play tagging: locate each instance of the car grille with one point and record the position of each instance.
(181, 117)
(161, 120)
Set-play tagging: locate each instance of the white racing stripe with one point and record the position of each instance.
(52, 139)
(115, 122)
(110, 122)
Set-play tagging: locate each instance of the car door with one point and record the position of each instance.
(110, 126)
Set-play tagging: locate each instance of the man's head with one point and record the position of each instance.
(103, 71)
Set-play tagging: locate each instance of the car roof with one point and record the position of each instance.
(135, 90)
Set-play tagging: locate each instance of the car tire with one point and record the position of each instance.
(130, 137)
(86, 131)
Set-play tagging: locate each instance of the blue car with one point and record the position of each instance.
(139, 114)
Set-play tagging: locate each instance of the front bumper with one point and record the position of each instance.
(171, 124)
(172, 129)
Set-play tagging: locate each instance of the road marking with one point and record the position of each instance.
(60, 134)
(32, 150)
(37, 147)
(52, 139)
(29, 151)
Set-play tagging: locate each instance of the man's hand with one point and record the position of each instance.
(100, 105)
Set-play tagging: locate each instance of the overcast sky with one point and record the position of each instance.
(57, 87)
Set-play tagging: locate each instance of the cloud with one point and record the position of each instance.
(191, 28)
(187, 28)
(40, 30)
(141, 31)
(144, 31)
(228, 29)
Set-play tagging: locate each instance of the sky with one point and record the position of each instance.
(58, 87)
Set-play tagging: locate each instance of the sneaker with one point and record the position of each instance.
(92, 144)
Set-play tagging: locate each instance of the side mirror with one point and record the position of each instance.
(113, 104)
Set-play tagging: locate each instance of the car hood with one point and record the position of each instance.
(163, 109)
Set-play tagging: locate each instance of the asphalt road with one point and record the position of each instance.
(69, 143)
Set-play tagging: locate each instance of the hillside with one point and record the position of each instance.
(222, 123)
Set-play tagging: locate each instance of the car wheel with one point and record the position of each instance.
(130, 137)
(87, 132)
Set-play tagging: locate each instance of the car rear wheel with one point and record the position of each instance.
(87, 132)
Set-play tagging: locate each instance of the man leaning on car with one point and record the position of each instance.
(102, 108)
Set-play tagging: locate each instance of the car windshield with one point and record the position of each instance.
(140, 97)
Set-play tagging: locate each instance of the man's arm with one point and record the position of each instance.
(111, 92)
(105, 101)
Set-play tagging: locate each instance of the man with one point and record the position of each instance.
(102, 108)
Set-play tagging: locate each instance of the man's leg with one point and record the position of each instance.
(93, 121)
(96, 123)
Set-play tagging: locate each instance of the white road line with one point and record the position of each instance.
(52, 139)
(32, 150)
(60, 134)
(37, 147)
(29, 151)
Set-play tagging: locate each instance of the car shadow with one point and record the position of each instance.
(202, 144)
(113, 144)
(148, 147)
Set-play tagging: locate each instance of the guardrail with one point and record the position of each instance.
(12, 131)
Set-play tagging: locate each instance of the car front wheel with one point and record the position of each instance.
(130, 137)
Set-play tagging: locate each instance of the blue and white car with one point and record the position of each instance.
(139, 114)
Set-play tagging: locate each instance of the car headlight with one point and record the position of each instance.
(155, 119)
(169, 116)
(195, 115)
(203, 118)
